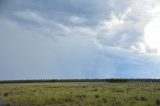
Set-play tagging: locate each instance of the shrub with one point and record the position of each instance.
(84, 95)
(135, 98)
(5, 94)
(158, 102)
(143, 99)
(84, 87)
(7, 105)
(104, 100)
(96, 96)
(94, 89)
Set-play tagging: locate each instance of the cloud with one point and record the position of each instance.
(31, 55)
(151, 31)
(63, 40)
(124, 29)
(77, 20)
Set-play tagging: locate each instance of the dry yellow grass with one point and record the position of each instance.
(81, 94)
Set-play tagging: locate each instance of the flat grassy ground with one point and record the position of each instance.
(80, 94)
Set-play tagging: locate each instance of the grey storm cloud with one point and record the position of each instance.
(105, 19)
(75, 39)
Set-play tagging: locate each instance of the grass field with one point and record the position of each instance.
(80, 94)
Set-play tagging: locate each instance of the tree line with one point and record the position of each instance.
(80, 80)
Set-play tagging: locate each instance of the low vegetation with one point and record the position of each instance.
(80, 94)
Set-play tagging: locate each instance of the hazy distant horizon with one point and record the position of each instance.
(75, 39)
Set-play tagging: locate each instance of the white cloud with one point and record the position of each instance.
(135, 29)
(151, 30)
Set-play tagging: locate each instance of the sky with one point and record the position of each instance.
(76, 39)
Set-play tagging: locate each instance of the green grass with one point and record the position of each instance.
(81, 94)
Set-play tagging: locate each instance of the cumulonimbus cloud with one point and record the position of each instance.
(101, 40)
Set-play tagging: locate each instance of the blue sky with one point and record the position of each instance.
(50, 39)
